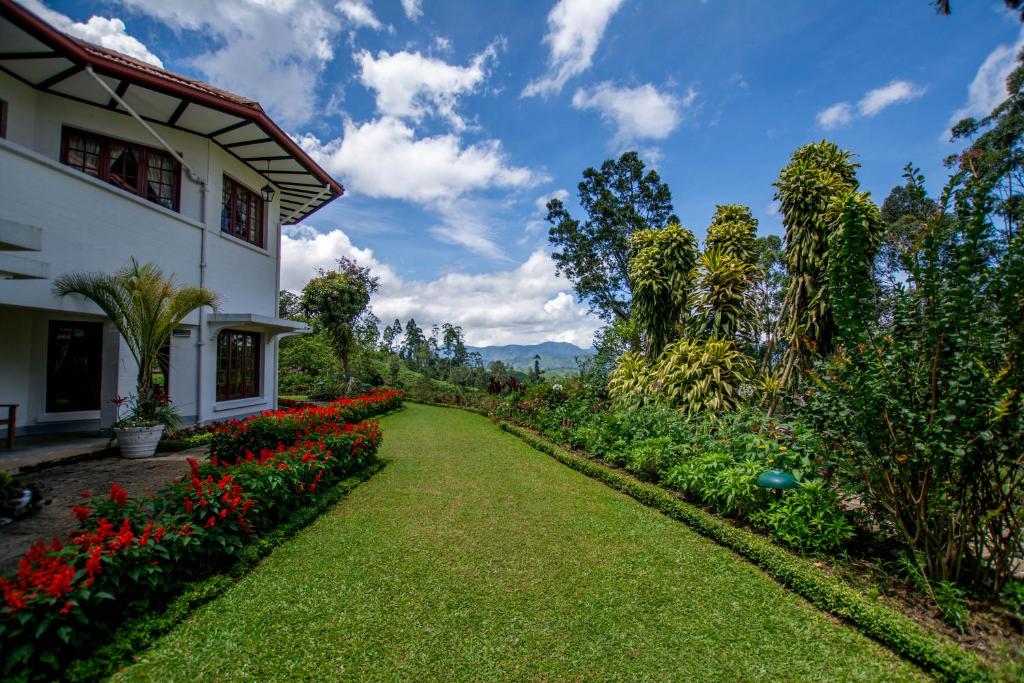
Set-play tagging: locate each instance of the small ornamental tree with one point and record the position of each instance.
(660, 264)
(334, 300)
(145, 306)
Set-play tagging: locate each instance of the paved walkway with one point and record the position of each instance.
(473, 557)
(63, 485)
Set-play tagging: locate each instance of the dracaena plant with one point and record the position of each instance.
(145, 306)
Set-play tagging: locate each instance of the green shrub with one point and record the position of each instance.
(652, 458)
(807, 517)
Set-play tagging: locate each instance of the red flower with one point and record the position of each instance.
(118, 495)
(81, 512)
(67, 607)
(210, 522)
(186, 530)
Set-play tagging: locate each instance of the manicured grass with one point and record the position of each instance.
(472, 556)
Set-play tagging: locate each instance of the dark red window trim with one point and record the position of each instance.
(3, 118)
(144, 155)
(238, 364)
(246, 224)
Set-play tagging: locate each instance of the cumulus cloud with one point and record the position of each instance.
(837, 115)
(527, 303)
(413, 9)
(359, 14)
(273, 51)
(575, 28)
(871, 104)
(988, 87)
(636, 113)
(384, 158)
(411, 85)
(107, 32)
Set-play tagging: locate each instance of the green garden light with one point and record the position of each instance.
(776, 479)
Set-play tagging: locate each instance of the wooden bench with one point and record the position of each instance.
(12, 418)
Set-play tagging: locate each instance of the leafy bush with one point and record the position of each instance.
(808, 517)
(651, 458)
(129, 553)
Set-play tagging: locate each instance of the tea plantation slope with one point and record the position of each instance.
(473, 556)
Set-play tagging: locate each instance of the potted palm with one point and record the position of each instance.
(145, 306)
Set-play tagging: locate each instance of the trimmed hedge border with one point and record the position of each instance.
(940, 657)
(140, 633)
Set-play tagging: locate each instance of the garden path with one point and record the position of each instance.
(473, 556)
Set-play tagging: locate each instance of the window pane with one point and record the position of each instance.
(124, 167)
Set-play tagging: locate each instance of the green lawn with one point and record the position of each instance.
(472, 556)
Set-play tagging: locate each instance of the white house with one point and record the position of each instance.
(104, 158)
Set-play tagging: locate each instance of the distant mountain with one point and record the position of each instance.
(553, 355)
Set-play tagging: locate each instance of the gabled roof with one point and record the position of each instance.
(39, 55)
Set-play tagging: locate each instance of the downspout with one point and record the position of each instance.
(203, 188)
(277, 309)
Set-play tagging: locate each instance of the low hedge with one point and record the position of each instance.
(129, 554)
(939, 656)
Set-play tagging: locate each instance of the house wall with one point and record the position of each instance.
(88, 225)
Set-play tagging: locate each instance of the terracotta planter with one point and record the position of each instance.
(138, 442)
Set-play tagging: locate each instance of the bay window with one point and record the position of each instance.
(241, 213)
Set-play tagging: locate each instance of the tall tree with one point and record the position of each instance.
(619, 199)
(660, 265)
(334, 300)
(733, 230)
(289, 305)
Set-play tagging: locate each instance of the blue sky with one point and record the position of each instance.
(450, 123)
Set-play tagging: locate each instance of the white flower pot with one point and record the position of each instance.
(138, 442)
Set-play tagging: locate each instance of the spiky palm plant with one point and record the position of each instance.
(630, 383)
(660, 262)
(808, 186)
(144, 305)
(722, 282)
(733, 230)
(703, 376)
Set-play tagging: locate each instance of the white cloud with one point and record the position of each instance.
(896, 92)
(413, 9)
(109, 33)
(528, 303)
(270, 50)
(637, 113)
(411, 85)
(359, 14)
(871, 104)
(538, 222)
(384, 159)
(988, 88)
(837, 115)
(575, 28)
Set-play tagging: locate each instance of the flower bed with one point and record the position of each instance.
(128, 554)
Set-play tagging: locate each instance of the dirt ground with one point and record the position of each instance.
(62, 486)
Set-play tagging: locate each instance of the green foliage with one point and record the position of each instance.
(700, 376)
(307, 363)
(619, 200)
(808, 517)
(145, 306)
(853, 240)
(722, 305)
(630, 382)
(807, 189)
(651, 458)
(660, 263)
(334, 300)
(926, 413)
(733, 231)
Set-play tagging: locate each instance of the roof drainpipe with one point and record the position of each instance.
(203, 188)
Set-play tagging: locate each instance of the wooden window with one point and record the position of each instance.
(241, 213)
(74, 362)
(3, 118)
(238, 365)
(144, 171)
